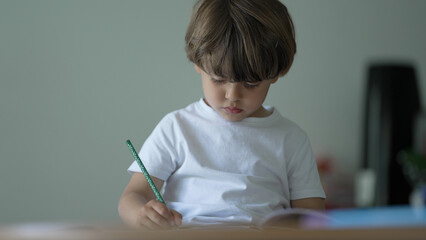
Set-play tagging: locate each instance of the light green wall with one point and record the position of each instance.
(78, 78)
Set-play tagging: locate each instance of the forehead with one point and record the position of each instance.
(220, 77)
(226, 72)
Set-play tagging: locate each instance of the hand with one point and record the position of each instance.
(155, 215)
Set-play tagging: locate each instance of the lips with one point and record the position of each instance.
(233, 110)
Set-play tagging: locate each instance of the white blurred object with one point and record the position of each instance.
(417, 200)
(365, 182)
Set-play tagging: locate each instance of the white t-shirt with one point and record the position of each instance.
(222, 172)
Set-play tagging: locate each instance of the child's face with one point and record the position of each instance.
(235, 101)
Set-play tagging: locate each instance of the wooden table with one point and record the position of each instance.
(111, 231)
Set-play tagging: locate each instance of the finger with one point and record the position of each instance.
(158, 219)
(162, 209)
(177, 217)
(150, 225)
(150, 218)
(146, 223)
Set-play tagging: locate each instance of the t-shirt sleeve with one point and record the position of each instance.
(303, 177)
(158, 152)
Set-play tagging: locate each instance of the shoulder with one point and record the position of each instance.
(177, 117)
(190, 109)
(287, 127)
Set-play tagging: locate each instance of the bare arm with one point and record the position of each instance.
(309, 203)
(138, 207)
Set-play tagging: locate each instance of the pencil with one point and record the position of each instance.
(145, 172)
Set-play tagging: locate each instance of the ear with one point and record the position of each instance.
(197, 68)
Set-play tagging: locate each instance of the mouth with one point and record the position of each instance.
(233, 110)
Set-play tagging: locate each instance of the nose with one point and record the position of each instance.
(233, 92)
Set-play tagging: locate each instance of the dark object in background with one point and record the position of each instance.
(392, 105)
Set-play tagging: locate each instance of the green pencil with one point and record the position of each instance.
(145, 172)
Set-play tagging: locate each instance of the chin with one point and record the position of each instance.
(233, 118)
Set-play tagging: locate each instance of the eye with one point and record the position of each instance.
(218, 81)
(251, 85)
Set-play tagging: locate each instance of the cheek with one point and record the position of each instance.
(260, 96)
(211, 92)
(216, 95)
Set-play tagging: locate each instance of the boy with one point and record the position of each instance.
(227, 159)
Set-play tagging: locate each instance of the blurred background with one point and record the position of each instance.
(78, 78)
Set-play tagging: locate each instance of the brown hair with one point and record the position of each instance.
(241, 40)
